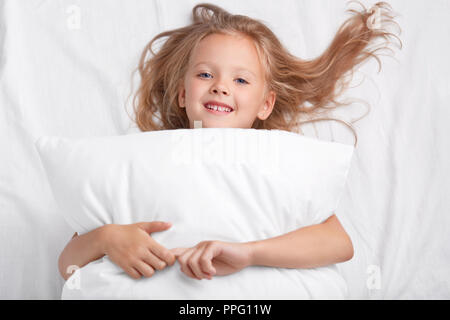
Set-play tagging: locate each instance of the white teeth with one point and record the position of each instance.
(218, 108)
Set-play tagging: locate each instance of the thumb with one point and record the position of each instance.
(154, 226)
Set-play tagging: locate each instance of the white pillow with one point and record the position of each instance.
(225, 184)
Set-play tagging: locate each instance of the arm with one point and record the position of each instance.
(129, 246)
(308, 247)
(80, 251)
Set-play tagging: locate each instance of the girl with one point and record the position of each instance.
(231, 71)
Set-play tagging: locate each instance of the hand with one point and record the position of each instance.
(134, 250)
(209, 258)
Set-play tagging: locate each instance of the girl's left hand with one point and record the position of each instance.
(213, 258)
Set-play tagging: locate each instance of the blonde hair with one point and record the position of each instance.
(305, 89)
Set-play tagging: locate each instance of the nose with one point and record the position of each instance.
(220, 88)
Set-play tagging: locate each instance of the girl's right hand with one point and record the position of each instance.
(131, 247)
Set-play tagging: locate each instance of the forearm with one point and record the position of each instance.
(80, 251)
(308, 247)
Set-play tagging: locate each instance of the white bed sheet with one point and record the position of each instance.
(65, 70)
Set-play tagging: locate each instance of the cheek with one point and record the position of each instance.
(197, 88)
(250, 100)
(195, 94)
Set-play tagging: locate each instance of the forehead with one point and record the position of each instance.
(234, 51)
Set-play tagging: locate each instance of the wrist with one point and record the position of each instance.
(103, 238)
(252, 248)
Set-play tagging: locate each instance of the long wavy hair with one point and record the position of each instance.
(306, 90)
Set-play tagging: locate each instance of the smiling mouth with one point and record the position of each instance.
(218, 109)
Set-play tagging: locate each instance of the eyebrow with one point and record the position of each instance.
(236, 68)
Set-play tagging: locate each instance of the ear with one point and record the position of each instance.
(267, 107)
(181, 95)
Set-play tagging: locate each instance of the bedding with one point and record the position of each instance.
(225, 184)
(56, 80)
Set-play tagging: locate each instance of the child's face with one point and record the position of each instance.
(225, 69)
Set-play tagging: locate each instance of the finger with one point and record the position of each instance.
(178, 251)
(154, 226)
(161, 252)
(185, 268)
(194, 263)
(154, 261)
(206, 260)
(144, 269)
(132, 272)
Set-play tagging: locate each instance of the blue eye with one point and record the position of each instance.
(203, 73)
(242, 80)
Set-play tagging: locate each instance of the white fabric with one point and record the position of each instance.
(234, 185)
(65, 68)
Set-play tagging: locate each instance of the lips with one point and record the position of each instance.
(219, 104)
